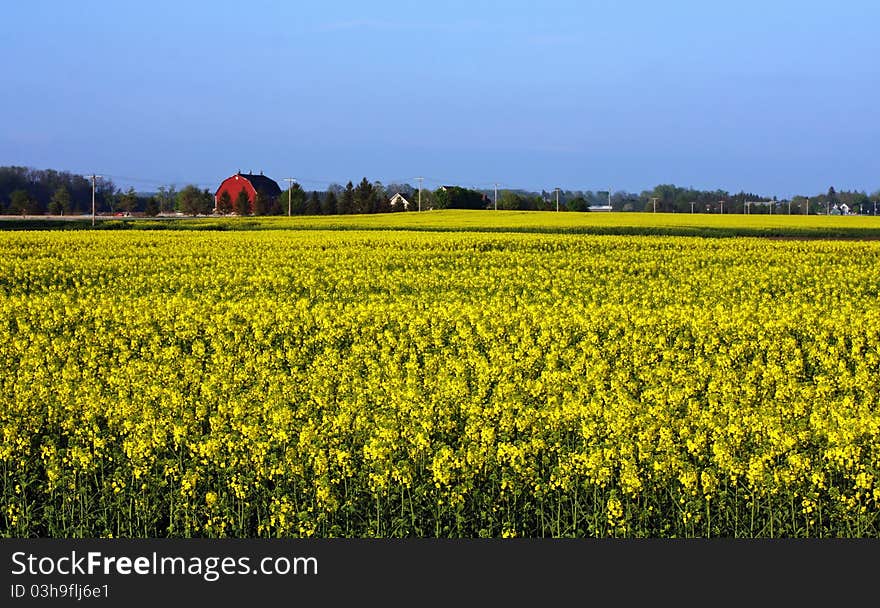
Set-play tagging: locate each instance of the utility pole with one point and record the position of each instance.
(290, 181)
(557, 198)
(496, 197)
(807, 206)
(654, 200)
(789, 206)
(94, 178)
(609, 196)
(419, 179)
(692, 206)
(722, 207)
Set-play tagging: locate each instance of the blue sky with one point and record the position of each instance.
(777, 98)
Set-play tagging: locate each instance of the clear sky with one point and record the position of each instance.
(773, 97)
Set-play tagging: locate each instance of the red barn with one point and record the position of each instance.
(267, 187)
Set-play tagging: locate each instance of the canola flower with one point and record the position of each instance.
(295, 383)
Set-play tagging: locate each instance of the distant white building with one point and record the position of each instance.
(600, 208)
(398, 199)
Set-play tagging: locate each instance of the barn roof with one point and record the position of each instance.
(262, 184)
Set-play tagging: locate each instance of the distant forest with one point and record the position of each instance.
(27, 191)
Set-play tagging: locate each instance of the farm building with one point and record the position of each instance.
(267, 187)
(398, 199)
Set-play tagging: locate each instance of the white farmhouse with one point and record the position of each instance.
(398, 199)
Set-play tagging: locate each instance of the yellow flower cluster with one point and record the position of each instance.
(325, 383)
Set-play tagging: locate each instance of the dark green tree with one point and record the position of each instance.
(665, 195)
(206, 202)
(440, 199)
(294, 200)
(832, 200)
(364, 201)
(261, 205)
(60, 202)
(861, 202)
(190, 200)
(128, 200)
(20, 202)
(380, 202)
(242, 203)
(224, 203)
(108, 200)
(626, 201)
(427, 200)
(313, 205)
(328, 205)
(167, 199)
(40, 184)
(831, 197)
(509, 200)
(346, 200)
(456, 197)
(151, 207)
(578, 203)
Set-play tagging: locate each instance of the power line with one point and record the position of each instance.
(487, 185)
(94, 179)
(419, 179)
(290, 181)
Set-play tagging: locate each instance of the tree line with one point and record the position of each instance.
(365, 197)
(30, 191)
(668, 198)
(33, 191)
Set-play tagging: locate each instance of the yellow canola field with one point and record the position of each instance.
(679, 224)
(297, 383)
